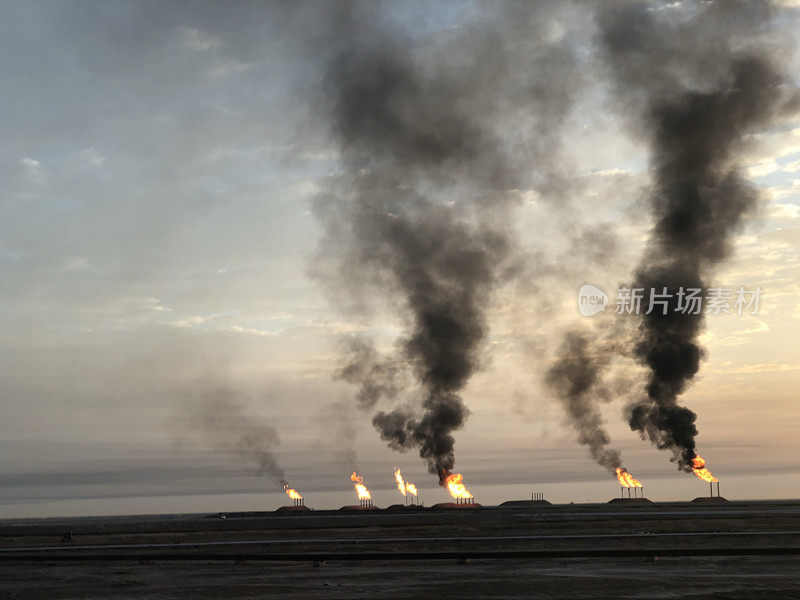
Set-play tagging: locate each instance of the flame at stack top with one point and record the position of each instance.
(403, 486)
(699, 469)
(361, 489)
(626, 479)
(293, 494)
(456, 487)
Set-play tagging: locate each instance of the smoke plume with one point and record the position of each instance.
(434, 135)
(377, 377)
(699, 85)
(222, 418)
(338, 418)
(575, 377)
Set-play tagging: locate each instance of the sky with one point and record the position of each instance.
(158, 173)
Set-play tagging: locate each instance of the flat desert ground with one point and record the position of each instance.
(686, 550)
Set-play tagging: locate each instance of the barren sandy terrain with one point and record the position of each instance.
(620, 551)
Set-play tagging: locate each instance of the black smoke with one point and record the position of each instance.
(576, 377)
(697, 85)
(221, 416)
(435, 134)
(378, 377)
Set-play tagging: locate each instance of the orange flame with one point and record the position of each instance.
(626, 479)
(293, 494)
(361, 489)
(456, 486)
(403, 486)
(699, 469)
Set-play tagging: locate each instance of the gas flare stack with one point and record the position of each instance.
(364, 497)
(631, 490)
(457, 489)
(409, 490)
(454, 483)
(627, 490)
(298, 503)
(700, 470)
(297, 498)
(711, 488)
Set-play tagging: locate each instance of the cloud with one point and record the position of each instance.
(752, 368)
(76, 263)
(250, 330)
(191, 321)
(777, 192)
(229, 68)
(94, 157)
(768, 147)
(792, 167)
(200, 41)
(783, 211)
(763, 169)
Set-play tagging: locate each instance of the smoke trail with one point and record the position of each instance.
(700, 85)
(337, 418)
(377, 377)
(222, 418)
(575, 377)
(421, 213)
(444, 270)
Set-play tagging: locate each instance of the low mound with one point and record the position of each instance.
(454, 506)
(630, 501)
(710, 500)
(356, 508)
(525, 503)
(293, 509)
(404, 507)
